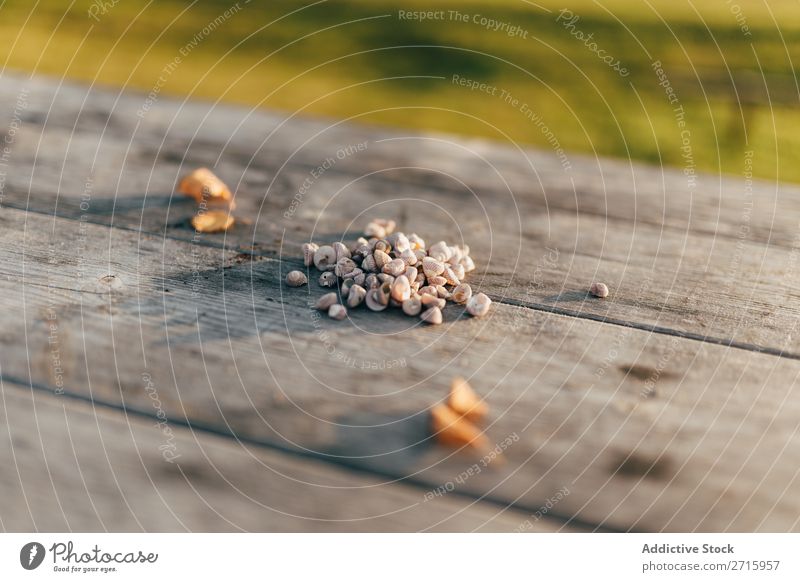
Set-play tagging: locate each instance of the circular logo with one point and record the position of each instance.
(31, 555)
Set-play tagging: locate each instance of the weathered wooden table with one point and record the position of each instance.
(158, 379)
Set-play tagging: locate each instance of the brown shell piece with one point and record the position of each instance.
(213, 221)
(465, 402)
(452, 429)
(203, 185)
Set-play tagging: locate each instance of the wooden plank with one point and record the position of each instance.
(593, 406)
(71, 466)
(728, 288)
(98, 134)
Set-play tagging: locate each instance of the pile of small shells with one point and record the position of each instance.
(386, 269)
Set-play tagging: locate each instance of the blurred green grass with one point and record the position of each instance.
(358, 59)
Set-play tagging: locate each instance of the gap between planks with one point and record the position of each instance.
(657, 329)
(566, 521)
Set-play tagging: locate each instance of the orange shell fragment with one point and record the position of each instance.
(450, 428)
(212, 221)
(204, 185)
(465, 402)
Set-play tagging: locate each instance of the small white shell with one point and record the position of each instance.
(337, 311)
(344, 266)
(341, 250)
(356, 296)
(416, 242)
(308, 253)
(599, 290)
(401, 289)
(451, 277)
(409, 257)
(296, 279)
(412, 306)
(432, 267)
(432, 316)
(373, 300)
(328, 279)
(325, 258)
(324, 302)
(374, 229)
(437, 281)
(394, 267)
(462, 293)
(368, 264)
(432, 300)
(468, 265)
(440, 251)
(478, 305)
(381, 259)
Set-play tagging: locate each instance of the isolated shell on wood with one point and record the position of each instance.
(296, 279)
(212, 221)
(324, 302)
(599, 290)
(478, 305)
(464, 401)
(204, 186)
(337, 311)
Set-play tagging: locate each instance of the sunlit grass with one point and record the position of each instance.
(357, 59)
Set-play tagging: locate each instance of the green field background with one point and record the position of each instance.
(360, 60)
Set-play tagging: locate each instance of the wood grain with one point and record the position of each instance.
(678, 263)
(72, 466)
(646, 431)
